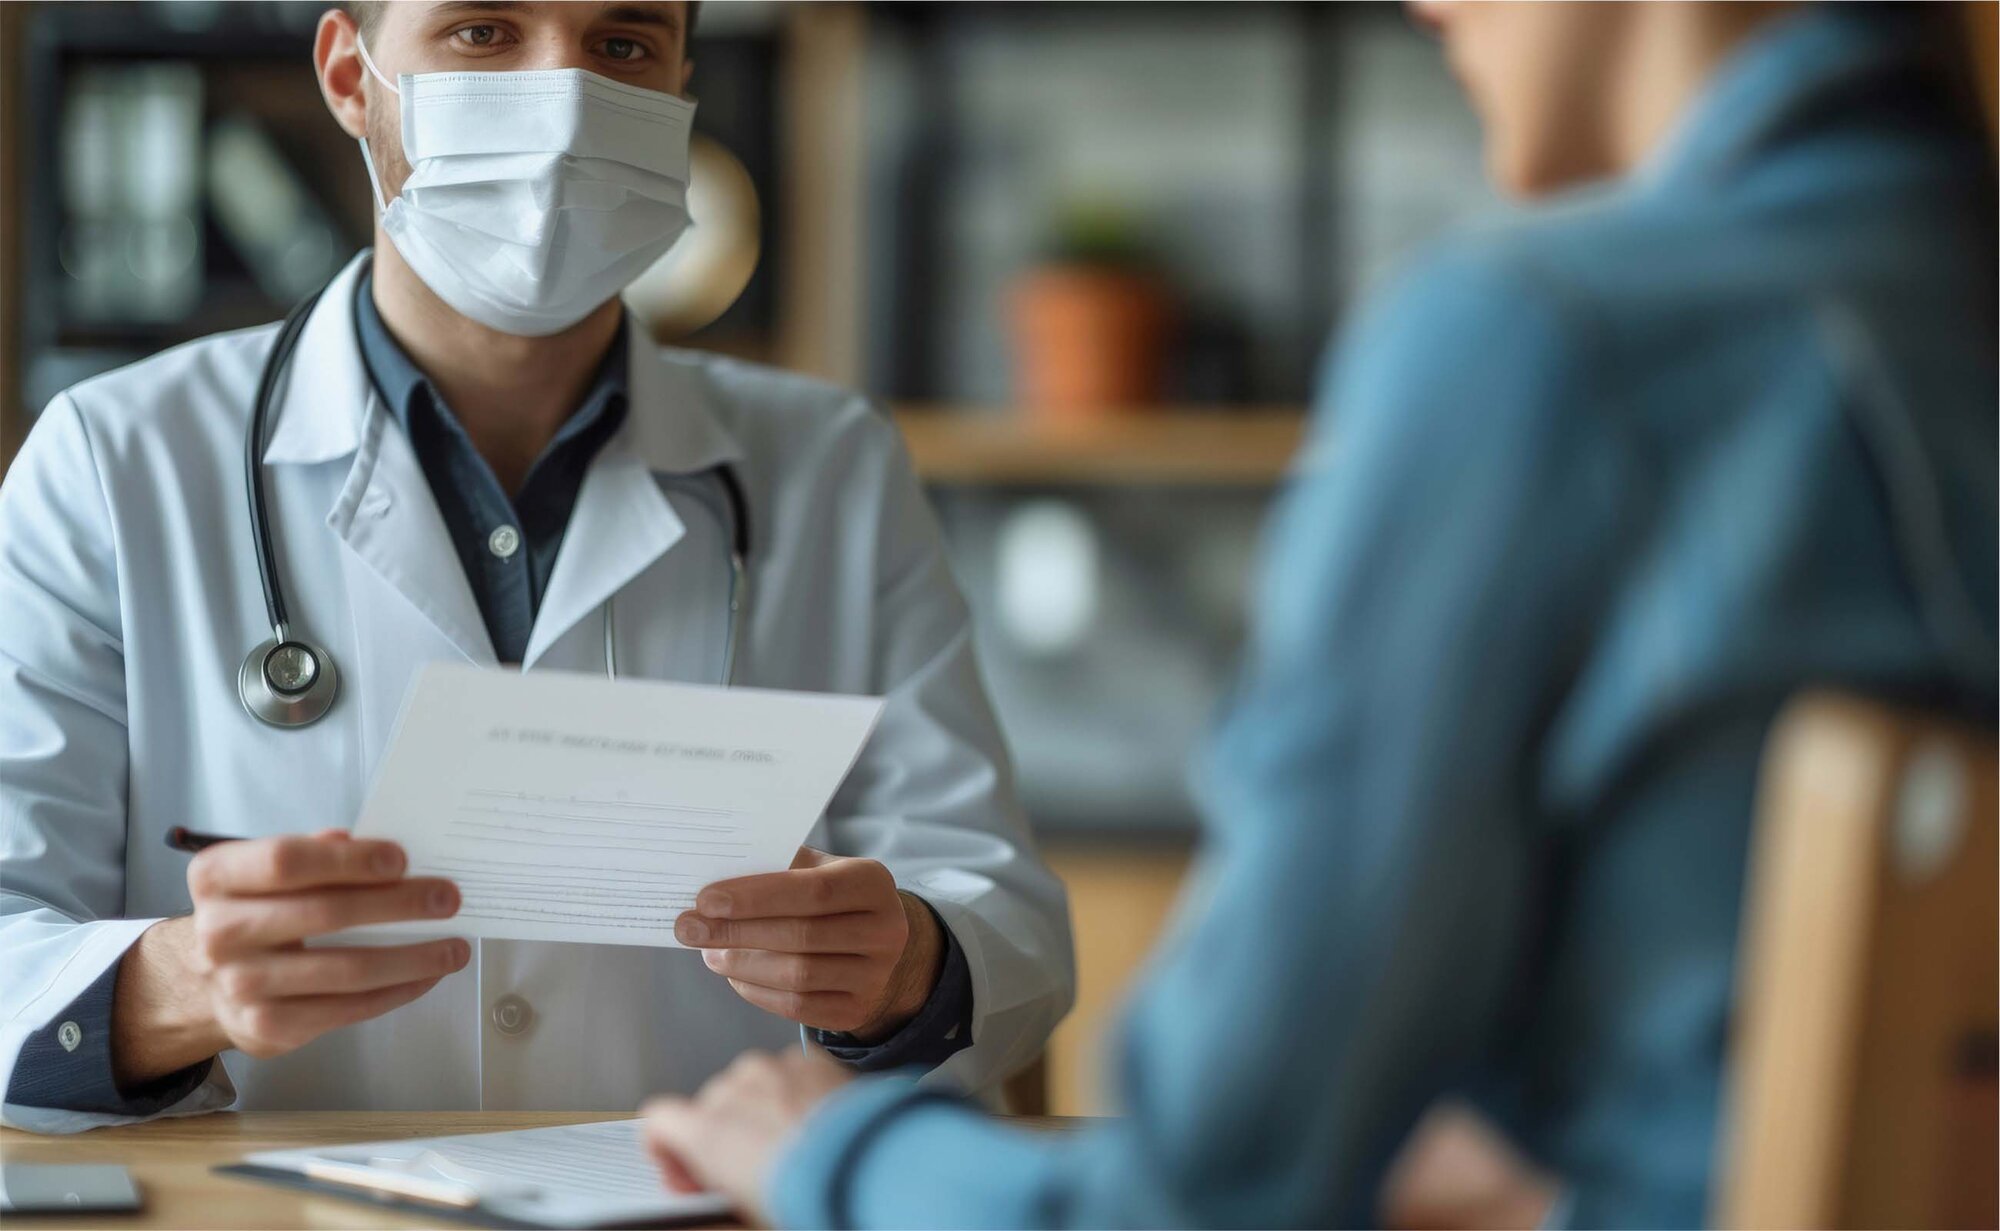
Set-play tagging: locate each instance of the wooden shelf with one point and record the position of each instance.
(1199, 446)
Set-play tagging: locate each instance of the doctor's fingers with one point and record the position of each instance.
(798, 972)
(300, 861)
(228, 927)
(820, 1010)
(266, 1028)
(834, 887)
(867, 933)
(309, 972)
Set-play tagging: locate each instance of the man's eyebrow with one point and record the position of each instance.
(478, 6)
(640, 15)
(624, 14)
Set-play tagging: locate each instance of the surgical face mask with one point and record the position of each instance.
(533, 197)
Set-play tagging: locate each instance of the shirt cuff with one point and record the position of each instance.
(807, 1184)
(890, 1152)
(941, 1029)
(66, 1065)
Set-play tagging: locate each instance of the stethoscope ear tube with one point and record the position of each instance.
(739, 581)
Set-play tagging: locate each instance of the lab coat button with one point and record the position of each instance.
(512, 1015)
(504, 541)
(70, 1035)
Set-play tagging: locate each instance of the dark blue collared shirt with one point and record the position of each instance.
(508, 546)
(67, 1064)
(506, 543)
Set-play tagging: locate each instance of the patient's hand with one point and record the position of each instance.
(1457, 1170)
(725, 1138)
(830, 943)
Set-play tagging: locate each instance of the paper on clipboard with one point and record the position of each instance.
(572, 1175)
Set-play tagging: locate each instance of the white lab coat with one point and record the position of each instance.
(129, 596)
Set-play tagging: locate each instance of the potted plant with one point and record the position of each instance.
(1090, 319)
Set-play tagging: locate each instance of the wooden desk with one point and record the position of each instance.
(170, 1160)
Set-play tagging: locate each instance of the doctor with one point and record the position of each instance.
(474, 454)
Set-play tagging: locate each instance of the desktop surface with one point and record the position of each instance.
(172, 1162)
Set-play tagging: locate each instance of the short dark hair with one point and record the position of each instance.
(367, 14)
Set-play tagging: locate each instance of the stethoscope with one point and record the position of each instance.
(290, 682)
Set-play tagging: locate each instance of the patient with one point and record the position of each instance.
(1588, 498)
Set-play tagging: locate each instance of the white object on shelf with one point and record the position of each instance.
(1047, 574)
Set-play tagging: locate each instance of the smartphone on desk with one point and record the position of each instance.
(57, 1188)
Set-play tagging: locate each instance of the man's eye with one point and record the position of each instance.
(478, 36)
(623, 49)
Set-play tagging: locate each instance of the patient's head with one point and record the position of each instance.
(1570, 92)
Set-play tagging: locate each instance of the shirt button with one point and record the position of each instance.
(512, 1015)
(504, 542)
(70, 1035)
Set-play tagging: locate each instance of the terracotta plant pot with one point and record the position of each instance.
(1088, 340)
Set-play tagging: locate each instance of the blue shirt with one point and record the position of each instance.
(1607, 487)
(68, 1063)
(507, 544)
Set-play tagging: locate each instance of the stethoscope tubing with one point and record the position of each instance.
(739, 582)
(253, 461)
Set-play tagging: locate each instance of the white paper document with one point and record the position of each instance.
(578, 808)
(578, 1175)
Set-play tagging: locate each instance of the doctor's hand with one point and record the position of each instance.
(830, 943)
(236, 973)
(725, 1138)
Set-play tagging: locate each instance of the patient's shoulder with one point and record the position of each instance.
(1473, 335)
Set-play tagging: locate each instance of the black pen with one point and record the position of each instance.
(181, 838)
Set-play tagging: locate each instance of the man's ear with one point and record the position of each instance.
(687, 75)
(342, 79)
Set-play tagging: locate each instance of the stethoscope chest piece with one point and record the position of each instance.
(287, 683)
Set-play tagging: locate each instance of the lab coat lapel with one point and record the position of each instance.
(388, 517)
(385, 512)
(623, 521)
(621, 524)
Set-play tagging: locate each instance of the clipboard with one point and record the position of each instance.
(593, 1174)
(471, 1216)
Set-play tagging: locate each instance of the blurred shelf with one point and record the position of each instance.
(1199, 446)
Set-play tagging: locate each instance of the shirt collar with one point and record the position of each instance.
(404, 388)
(1774, 76)
(683, 412)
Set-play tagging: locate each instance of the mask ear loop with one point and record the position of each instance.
(368, 158)
(361, 45)
(374, 184)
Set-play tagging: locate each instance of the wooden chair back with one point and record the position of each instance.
(1862, 1089)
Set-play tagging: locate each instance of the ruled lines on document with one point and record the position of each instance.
(575, 859)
